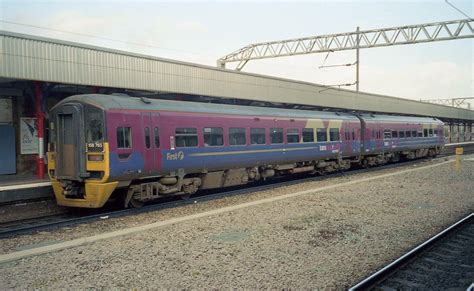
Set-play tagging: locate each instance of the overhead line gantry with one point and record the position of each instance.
(399, 35)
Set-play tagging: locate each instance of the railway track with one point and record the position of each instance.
(445, 261)
(85, 216)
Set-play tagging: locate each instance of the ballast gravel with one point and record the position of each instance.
(107, 225)
(327, 239)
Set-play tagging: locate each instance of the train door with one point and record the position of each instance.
(362, 134)
(346, 139)
(148, 152)
(157, 144)
(70, 149)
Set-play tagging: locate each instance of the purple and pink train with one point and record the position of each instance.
(138, 149)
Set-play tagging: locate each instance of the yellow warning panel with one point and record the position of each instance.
(459, 151)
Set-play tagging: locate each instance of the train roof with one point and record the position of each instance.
(398, 119)
(108, 102)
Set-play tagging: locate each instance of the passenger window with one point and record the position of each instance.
(257, 135)
(157, 137)
(276, 135)
(308, 135)
(321, 134)
(334, 134)
(213, 136)
(413, 133)
(394, 134)
(293, 135)
(435, 132)
(407, 134)
(401, 134)
(353, 135)
(420, 134)
(430, 132)
(124, 137)
(387, 134)
(186, 137)
(237, 136)
(147, 137)
(425, 132)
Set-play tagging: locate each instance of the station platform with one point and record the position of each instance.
(23, 187)
(26, 187)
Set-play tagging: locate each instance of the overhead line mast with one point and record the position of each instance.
(407, 34)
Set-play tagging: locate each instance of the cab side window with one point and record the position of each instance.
(124, 137)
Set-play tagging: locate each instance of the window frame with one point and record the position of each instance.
(334, 130)
(212, 128)
(186, 134)
(292, 132)
(278, 131)
(156, 136)
(147, 137)
(230, 133)
(253, 133)
(310, 129)
(130, 136)
(91, 112)
(321, 130)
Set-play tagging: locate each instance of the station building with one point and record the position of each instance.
(36, 73)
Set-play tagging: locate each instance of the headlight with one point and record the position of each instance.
(95, 158)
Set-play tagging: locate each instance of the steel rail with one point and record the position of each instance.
(287, 181)
(386, 271)
(201, 197)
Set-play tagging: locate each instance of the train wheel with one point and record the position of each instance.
(185, 196)
(130, 200)
(134, 203)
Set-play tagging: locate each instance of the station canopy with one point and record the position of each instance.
(27, 57)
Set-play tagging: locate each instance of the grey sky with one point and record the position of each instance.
(204, 31)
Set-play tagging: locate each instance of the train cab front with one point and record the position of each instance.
(78, 155)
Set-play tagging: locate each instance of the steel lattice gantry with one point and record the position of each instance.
(409, 34)
(454, 102)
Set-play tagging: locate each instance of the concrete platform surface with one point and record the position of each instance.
(315, 234)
